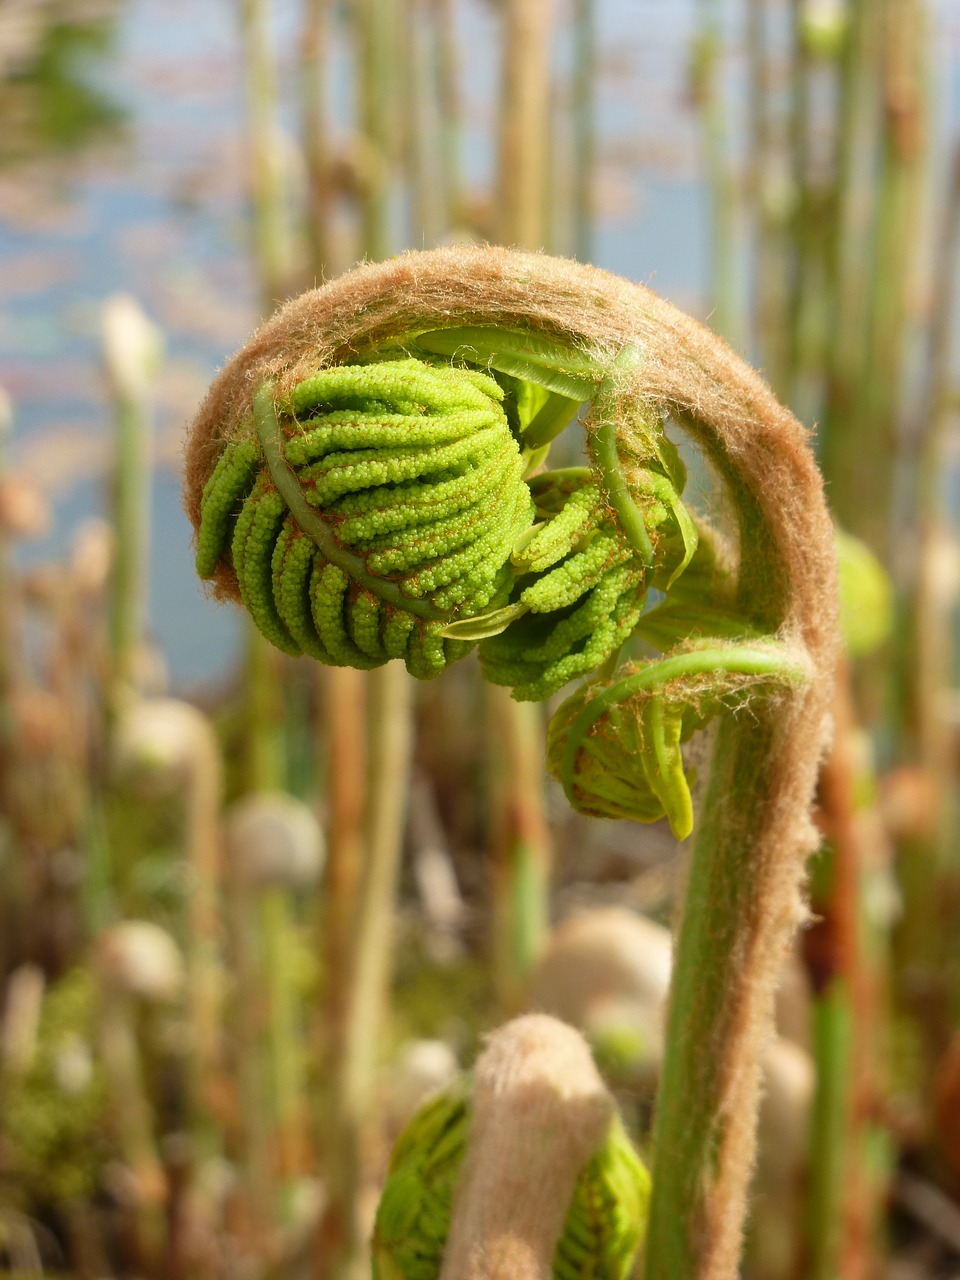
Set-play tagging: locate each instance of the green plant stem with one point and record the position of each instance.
(263, 745)
(699, 1040)
(271, 234)
(584, 139)
(252, 1071)
(204, 793)
(829, 1155)
(344, 704)
(524, 122)
(315, 127)
(342, 695)
(871, 271)
(272, 1070)
(929, 660)
(847, 266)
(522, 857)
(928, 858)
(375, 34)
(278, 928)
(131, 518)
(720, 179)
(841, 1212)
(448, 101)
(897, 237)
(369, 961)
(423, 141)
(272, 255)
(520, 843)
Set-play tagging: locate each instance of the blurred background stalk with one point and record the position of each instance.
(708, 96)
(376, 36)
(315, 129)
(584, 126)
(131, 355)
(369, 964)
(848, 964)
(520, 841)
(361, 892)
(266, 928)
(927, 953)
(272, 252)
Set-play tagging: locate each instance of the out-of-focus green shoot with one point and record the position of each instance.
(845, 948)
(866, 597)
(132, 349)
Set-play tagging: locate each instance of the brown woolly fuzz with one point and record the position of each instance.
(786, 585)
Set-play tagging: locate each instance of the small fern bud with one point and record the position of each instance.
(624, 762)
(528, 1169)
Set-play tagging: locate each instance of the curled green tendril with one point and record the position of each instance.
(376, 503)
(616, 748)
(605, 1221)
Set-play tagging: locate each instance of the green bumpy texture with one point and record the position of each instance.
(583, 586)
(414, 469)
(603, 1230)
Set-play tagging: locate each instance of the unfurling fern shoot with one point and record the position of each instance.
(369, 475)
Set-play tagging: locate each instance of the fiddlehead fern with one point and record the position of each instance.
(752, 639)
(601, 1234)
(600, 1228)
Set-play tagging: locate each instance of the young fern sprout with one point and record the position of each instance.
(368, 475)
(524, 1171)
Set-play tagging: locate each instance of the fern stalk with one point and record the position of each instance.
(521, 838)
(369, 962)
(315, 128)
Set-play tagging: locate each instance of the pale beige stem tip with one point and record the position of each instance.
(540, 1112)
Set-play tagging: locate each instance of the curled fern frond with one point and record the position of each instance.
(604, 1224)
(376, 503)
(627, 762)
